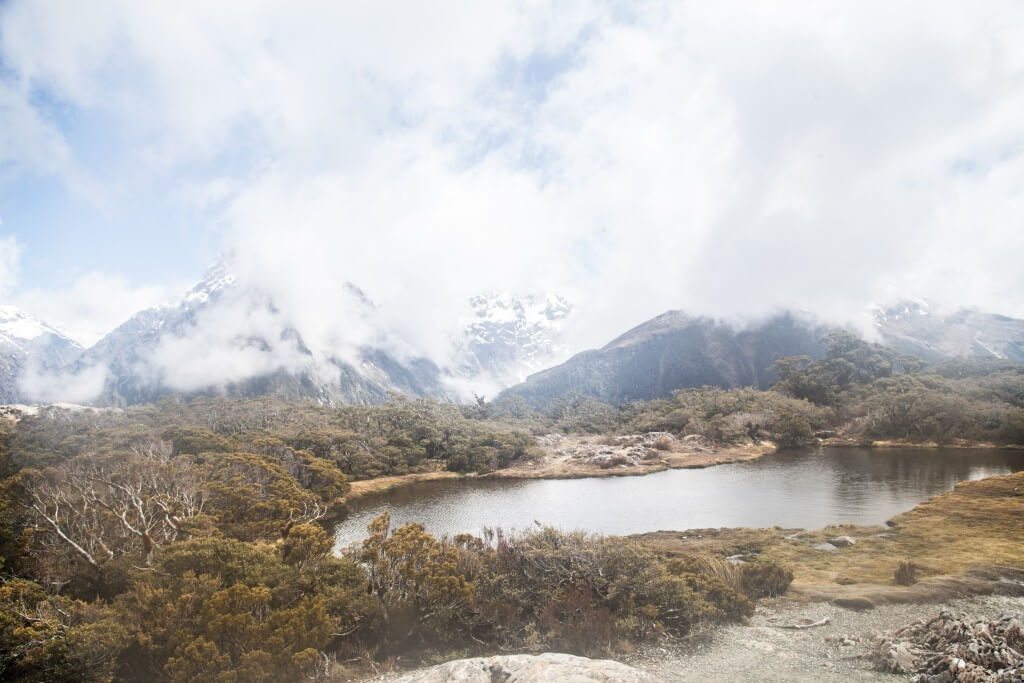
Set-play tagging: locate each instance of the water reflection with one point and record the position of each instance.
(808, 488)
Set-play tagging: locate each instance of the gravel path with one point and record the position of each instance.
(834, 653)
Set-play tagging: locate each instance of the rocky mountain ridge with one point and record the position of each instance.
(675, 351)
(223, 337)
(227, 337)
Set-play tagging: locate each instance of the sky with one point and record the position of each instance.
(727, 158)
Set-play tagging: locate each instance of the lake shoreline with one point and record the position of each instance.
(845, 442)
(552, 466)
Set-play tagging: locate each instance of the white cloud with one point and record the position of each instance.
(10, 263)
(92, 304)
(728, 158)
(44, 386)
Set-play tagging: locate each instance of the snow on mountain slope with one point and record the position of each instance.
(227, 337)
(921, 329)
(509, 337)
(28, 345)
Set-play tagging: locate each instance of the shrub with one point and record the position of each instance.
(763, 579)
(906, 573)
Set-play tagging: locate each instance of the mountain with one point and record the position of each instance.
(920, 329)
(27, 346)
(509, 337)
(674, 351)
(224, 338)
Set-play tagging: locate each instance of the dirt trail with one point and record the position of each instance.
(835, 653)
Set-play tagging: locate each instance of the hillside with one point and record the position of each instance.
(674, 351)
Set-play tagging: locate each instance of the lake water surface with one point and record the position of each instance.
(808, 488)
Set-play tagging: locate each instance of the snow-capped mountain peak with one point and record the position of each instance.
(218, 278)
(29, 345)
(18, 326)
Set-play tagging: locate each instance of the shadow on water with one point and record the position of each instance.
(807, 488)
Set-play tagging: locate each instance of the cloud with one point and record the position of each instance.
(41, 385)
(729, 159)
(92, 304)
(10, 263)
(234, 339)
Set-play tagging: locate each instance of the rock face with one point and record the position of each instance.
(676, 351)
(546, 668)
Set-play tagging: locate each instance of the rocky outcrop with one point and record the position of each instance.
(543, 668)
(631, 450)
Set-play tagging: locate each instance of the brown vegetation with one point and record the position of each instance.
(971, 533)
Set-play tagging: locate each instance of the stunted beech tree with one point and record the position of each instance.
(95, 509)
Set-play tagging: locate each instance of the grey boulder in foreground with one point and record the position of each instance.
(528, 669)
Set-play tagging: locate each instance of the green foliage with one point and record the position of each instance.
(219, 609)
(195, 440)
(579, 414)
(52, 638)
(848, 361)
(543, 589)
(417, 581)
(731, 416)
(762, 579)
(932, 408)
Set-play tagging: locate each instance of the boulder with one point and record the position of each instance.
(528, 669)
(842, 541)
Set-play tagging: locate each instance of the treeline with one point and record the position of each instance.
(859, 391)
(361, 442)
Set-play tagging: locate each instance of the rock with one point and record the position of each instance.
(827, 547)
(856, 603)
(528, 669)
(842, 541)
(904, 658)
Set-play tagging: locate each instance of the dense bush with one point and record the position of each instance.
(761, 579)
(540, 590)
(730, 416)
